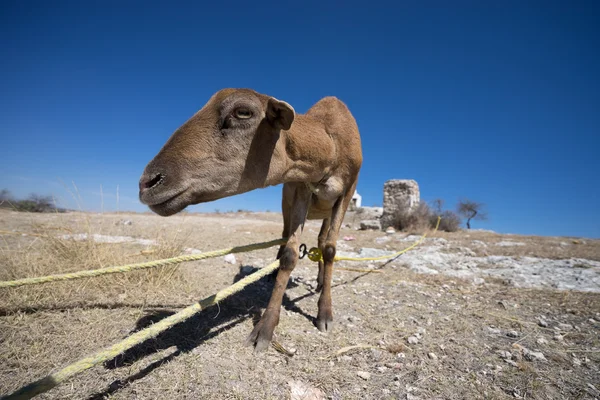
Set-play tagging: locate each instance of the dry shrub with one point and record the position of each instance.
(450, 221)
(417, 220)
(424, 218)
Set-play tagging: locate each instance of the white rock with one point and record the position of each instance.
(411, 238)
(370, 224)
(541, 341)
(432, 356)
(363, 374)
(369, 212)
(558, 337)
(507, 243)
(542, 323)
(383, 239)
(565, 327)
(367, 252)
(303, 391)
(229, 258)
(412, 340)
(512, 334)
(191, 250)
(478, 281)
(511, 362)
(521, 272)
(534, 356)
(505, 354)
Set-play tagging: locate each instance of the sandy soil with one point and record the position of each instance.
(404, 332)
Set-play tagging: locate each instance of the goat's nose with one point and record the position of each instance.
(150, 181)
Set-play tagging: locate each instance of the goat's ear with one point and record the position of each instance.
(280, 114)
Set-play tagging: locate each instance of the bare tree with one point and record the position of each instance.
(471, 210)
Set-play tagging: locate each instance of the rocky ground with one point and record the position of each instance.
(464, 315)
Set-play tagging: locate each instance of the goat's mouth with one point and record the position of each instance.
(167, 203)
(180, 201)
(170, 206)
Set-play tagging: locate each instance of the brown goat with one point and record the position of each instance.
(243, 140)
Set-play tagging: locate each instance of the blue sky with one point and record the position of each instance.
(496, 102)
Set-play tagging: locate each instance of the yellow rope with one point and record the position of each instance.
(144, 265)
(315, 253)
(154, 330)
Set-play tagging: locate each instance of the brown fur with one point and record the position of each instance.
(242, 140)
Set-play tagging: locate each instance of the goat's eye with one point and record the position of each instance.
(242, 113)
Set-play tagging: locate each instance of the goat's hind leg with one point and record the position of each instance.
(325, 316)
(262, 334)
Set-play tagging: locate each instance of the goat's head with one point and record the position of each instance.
(226, 148)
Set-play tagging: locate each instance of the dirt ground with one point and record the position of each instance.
(398, 334)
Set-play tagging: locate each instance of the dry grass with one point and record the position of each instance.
(49, 253)
(49, 326)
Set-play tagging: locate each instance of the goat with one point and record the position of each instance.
(242, 140)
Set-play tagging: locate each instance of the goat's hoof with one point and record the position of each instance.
(319, 287)
(260, 337)
(325, 323)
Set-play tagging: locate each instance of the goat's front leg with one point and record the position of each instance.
(262, 334)
(328, 248)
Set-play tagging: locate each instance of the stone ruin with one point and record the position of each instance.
(398, 195)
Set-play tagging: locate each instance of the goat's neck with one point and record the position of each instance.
(304, 153)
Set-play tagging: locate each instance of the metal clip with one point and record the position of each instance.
(303, 251)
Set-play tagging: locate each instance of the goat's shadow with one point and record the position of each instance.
(191, 333)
